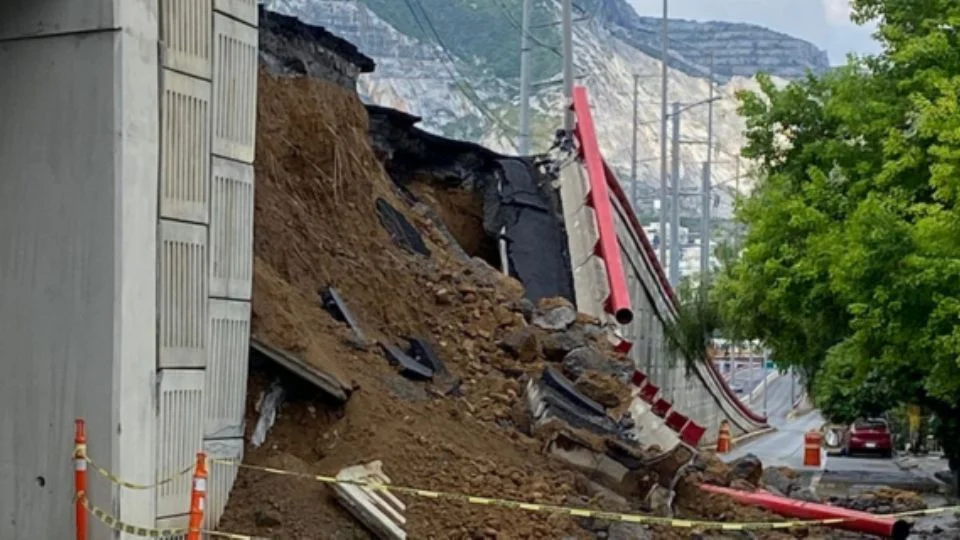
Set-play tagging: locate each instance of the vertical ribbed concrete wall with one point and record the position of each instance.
(127, 134)
(205, 229)
(79, 141)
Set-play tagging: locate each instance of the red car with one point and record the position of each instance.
(869, 436)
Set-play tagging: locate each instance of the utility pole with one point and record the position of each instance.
(635, 185)
(567, 12)
(765, 381)
(664, 82)
(793, 387)
(706, 188)
(523, 142)
(736, 195)
(675, 199)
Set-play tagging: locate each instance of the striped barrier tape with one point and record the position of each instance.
(511, 504)
(145, 532)
(572, 511)
(131, 485)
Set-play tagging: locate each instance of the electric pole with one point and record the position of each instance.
(765, 382)
(736, 195)
(675, 199)
(523, 142)
(635, 186)
(664, 82)
(706, 187)
(567, 12)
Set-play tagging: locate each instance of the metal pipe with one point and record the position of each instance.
(675, 200)
(853, 520)
(634, 183)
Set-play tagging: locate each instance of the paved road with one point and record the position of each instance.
(784, 448)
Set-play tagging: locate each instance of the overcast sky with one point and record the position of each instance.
(823, 22)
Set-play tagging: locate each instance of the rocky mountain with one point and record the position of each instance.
(454, 63)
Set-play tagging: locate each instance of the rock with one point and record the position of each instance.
(558, 345)
(659, 501)
(629, 531)
(267, 518)
(558, 318)
(583, 358)
(777, 479)
(747, 468)
(523, 344)
(804, 494)
(602, 390)
(524, 307)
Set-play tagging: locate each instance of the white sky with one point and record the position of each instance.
(823, 22)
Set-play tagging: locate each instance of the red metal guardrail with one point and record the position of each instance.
(607, 248)
(597, 168)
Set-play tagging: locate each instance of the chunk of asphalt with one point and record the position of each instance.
(554, 379)
(422, 352)
(401, 231)
(337, 308)
(409, 367)
(558, 406)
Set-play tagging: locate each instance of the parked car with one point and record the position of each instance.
(871, 436)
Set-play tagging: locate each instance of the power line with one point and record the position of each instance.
(529, 35)
(452, 68)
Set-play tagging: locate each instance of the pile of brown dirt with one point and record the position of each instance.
(316, 226)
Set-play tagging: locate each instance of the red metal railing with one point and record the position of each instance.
(607, 248)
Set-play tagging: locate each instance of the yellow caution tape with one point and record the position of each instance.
(530, 507)
(146, 532)
(571, 511)
(131, 485)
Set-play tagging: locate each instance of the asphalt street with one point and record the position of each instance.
(784, 448)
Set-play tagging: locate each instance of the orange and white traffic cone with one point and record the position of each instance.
(80, 476)
(198, 497)
(723, 438)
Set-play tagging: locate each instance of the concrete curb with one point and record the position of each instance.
(766, 381)
(742, 439)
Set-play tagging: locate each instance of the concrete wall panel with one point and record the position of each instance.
(58, 267)
(226, 374)
(231, 230)
(186, 34)
(221, 477)
(185, 148)
(180, 436)
(135, 358)
(245, 10)
(234, 89)
(182, 295)
(35, 18)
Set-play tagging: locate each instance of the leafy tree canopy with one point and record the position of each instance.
(851, 267)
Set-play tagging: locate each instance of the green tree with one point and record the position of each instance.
(851, 267)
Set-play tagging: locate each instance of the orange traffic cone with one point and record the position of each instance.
(723, 438)
(198, 497)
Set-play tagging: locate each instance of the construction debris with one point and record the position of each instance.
(380, 511)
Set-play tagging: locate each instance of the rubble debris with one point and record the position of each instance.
(748, 468)
(379, 511)
(523, 344)
(267, 405)
(882, 500)
(409, 367)
(552, 378)
(556, 318)
(337, 308)
(327, 383)
(401, 231)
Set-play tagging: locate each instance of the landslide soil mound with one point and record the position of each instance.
(316, 226)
